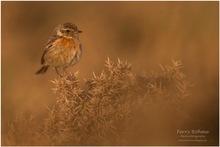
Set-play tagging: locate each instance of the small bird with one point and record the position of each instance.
(63, 48)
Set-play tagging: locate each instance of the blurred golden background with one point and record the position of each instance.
(145, 34)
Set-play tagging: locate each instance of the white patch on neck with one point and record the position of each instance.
(59, 33)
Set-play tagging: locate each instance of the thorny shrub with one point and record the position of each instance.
(101, 111)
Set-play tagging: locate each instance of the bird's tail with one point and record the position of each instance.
(42, 70)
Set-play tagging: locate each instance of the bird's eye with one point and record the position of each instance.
(67, 31)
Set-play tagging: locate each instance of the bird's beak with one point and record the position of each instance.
(80, 31)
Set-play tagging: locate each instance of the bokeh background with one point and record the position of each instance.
(145, 34)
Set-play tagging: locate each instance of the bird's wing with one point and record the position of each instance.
(48, 46)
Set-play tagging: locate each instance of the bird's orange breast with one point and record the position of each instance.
(65, 51)
(66, 43)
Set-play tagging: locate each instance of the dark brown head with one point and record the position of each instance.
(68, 30)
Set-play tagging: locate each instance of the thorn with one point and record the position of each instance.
(94, 74)
(76, 73)
(48, 108)
(161, 67)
